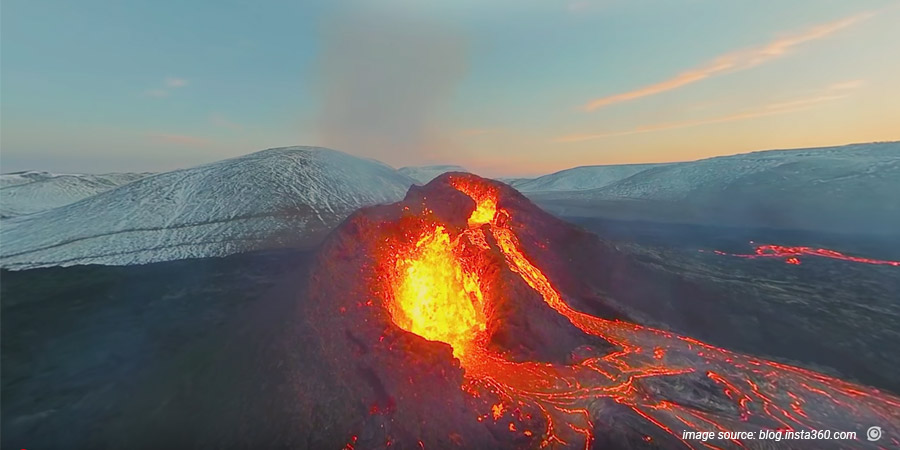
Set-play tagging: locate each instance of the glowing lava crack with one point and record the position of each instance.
(437, 291)
(792, 255)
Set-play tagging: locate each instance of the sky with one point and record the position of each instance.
(501, 87)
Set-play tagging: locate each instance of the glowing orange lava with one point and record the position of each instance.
(438, 291)
(484, 212)
(435, 297)
(792, 254)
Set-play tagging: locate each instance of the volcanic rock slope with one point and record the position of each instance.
(30, 192)
(279, 197)
(379, 386)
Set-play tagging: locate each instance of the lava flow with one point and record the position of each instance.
(442, 282)
(792, 254)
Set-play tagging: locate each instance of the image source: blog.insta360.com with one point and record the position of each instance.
(872, 434)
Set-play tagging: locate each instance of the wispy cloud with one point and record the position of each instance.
(835, 91)
(179, 139)
(169, 84)
(733, 61)
(803, 103)
(173, 82)
(220, 120)
(158, 93)
(846, 85)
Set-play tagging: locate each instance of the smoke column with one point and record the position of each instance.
(385, 77)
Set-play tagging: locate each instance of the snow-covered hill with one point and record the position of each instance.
(278, 197)
(581, 178)
(850, 188)
(30, 192)
(424, 174)
(29, 176)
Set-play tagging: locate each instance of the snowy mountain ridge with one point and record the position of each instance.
(850, 188)
(679, 181)
(424, 174)
(293, 196)
(582, 178)
(30, 192)
(287, 196)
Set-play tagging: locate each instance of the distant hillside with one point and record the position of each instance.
(852, 188)
(30, 192)
(581, 178)
(424, 174)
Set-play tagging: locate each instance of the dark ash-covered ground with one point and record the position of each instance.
(215, 353)
(835, 316)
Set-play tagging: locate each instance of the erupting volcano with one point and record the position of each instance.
(465, 330)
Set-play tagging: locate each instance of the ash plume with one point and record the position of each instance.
(384, 78)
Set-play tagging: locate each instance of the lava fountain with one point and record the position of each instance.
(435, 296)
(463, 277)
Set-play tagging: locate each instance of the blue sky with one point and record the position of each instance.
(501, 87)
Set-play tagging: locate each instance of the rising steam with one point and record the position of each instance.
(385, 78)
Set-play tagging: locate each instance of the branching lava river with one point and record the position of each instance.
(792, 254)
(437, 289)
